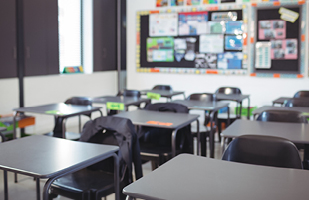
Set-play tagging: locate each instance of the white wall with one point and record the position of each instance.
(262, 90)
(54, 89)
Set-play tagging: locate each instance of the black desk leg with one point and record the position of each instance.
(5, 179)
(129, 198)
(38, 193)
(306, 157)
(211, 137)
(116, 177)
(198, 137)
(174, 133)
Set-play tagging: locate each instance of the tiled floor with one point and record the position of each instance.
(25, 189)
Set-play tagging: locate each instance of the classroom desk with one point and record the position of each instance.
(207, 106)
(164, 93)
(283, 100)
(295, 132)
(127, 101)
(194, 177)
(235, 97)
(57, 110)
(304, 110)
(169, 120)
(44, 157)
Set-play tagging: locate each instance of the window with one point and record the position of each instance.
(70, 36)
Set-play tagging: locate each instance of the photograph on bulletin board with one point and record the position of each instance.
(161, 3)
(193, 2)
(208, 40)
(278, 40)
(163, 24)
(192, 23)
(177, 2)
(205, 2)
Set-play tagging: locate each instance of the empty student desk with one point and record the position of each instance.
(304, 110)
(127, 101)
(164, 93)
(207, 106)
(283, 100)
(51, 158)
(194, 177)
(295, 132)
(57, 109)
(158, 119)
(235, 97)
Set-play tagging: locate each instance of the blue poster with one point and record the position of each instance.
(233, 42)
(234, 27)
(230, 60)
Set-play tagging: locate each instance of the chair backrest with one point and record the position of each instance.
(302, 93)
(281, 116)
(84, 101)
(115, 131)
(228, 90)
(263, 150)
(201, 97)
(297, 102)
(167, 107)
(162, 87)
(129, 93)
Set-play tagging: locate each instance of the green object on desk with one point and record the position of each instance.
(114, 106)
(244, 111)
(55, 112)
(152, 95)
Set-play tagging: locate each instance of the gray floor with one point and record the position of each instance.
(25, 189)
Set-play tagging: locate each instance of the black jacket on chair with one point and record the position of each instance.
(122, 128)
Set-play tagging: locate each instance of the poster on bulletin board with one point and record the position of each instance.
(203, 41)
(279, 49)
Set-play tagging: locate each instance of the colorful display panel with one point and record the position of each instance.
(192, 23)
(160, 49)
(163, 24)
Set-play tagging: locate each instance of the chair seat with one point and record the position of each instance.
(68, 135)
(83, 181)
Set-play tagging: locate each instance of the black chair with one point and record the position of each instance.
(302, 93)
(222, 118)
(204, 134)
(155, 143)
(281, 116)
(97, 181)
(129, 93)
(263, 150)
(57, 132)
(126, 93)
(162, 87)
(297, 102)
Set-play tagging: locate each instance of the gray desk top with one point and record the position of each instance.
(159, 119)
(304, 110)
(194, 177)
(202, 105)
(46, 157)
(281, 100)
(232, 97)
(127, 101)
(295, 132)
(163, 93)
(58, 109)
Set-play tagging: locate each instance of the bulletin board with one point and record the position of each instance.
(204, 40)
(278, 39)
